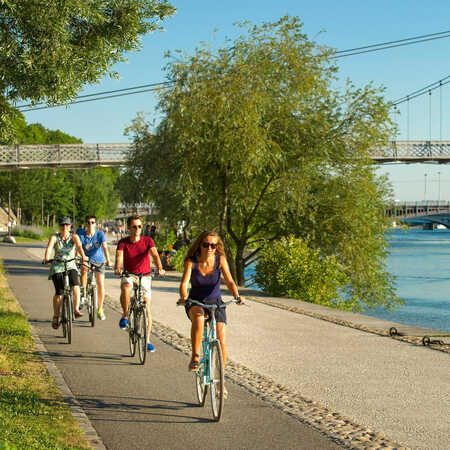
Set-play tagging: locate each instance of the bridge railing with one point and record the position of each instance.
(88, 155)
(73, 155)
(411, 151)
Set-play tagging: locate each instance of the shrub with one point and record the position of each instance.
(177, 259)
(291, 268)
(32, 232)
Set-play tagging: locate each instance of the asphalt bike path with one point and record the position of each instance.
(152, 406)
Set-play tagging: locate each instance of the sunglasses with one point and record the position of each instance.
(135, 227)
(207, 245)
(92, 222)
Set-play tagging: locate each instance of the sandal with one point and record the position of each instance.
(194, 364)
(78, 314)
(55, 322)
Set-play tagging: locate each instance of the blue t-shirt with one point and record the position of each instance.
(92, 246)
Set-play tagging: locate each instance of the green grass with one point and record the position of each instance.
(32, 411)
(22, 240)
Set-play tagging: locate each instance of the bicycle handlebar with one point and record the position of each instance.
(139, 275)
(190, 300)
(49, 261)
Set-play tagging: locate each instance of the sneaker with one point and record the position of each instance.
(101, 314)
(150, 347)
(82, 302)
(123, 322)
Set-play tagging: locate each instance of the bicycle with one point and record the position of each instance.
(91, 292)
(67, 311)
(137, 318)
(210, 373)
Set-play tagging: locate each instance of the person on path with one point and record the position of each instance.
(96, 248)
(204, 264)
(134, 252)
(65, 246)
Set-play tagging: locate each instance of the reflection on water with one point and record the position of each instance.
(420, 261)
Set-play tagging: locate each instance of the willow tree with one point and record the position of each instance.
(257, 142)
(50, 49)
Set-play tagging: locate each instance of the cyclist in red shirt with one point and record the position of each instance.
(134, 252)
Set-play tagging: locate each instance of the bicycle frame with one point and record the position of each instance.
(136, 310)
(209, 336)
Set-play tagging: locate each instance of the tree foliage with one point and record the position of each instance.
(256, 142)
(50, 49)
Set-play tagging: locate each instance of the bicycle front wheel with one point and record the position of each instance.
(217, 380)
(69, 309)
(201, 388)
(92, 305)
(131, 332)
(141, 333)
(64, 316)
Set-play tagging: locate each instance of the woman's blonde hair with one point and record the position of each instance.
(195, 249)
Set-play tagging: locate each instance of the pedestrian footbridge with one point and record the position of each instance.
(115, 154)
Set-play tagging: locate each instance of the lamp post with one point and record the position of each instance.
(425, 188)
(439, 189)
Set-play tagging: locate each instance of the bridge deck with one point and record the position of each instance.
(115, 154)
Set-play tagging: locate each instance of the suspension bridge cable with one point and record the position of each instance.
(388, 46)
(393, 42)
(422, 92)
(152, 85)
(95, 99)
(338, 54)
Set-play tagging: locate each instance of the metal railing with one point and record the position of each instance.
(63, 155)
(91, 155)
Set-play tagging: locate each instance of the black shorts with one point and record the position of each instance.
(221, 313)
(58, 280)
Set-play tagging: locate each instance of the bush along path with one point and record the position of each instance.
(33, 413)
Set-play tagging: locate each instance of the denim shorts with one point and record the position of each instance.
(221, 313)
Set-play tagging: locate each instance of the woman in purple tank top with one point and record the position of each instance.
(204, 264)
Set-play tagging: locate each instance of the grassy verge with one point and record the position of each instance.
(32, 411)
(22, 240)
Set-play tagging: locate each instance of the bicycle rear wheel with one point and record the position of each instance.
(217, 380)
(131, 332)
(141, 333)
(92, 304)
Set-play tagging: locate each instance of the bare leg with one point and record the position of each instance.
(83, 278)
(222, 336)
(149, 325)
(76, 296)
(125, 291)
(100, 288)
(56, 304)
(197, 317)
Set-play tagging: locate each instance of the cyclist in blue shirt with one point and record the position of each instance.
(96, 249)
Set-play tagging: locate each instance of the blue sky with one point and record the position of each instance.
(341, 25)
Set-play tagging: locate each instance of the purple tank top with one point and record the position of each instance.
(205, 287)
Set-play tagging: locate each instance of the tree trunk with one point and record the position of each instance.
(239, 261)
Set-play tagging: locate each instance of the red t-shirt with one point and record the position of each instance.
(136, 258)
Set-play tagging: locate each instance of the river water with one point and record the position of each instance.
(420, 261)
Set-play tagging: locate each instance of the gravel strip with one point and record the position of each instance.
(415, 340)
(335, 426)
